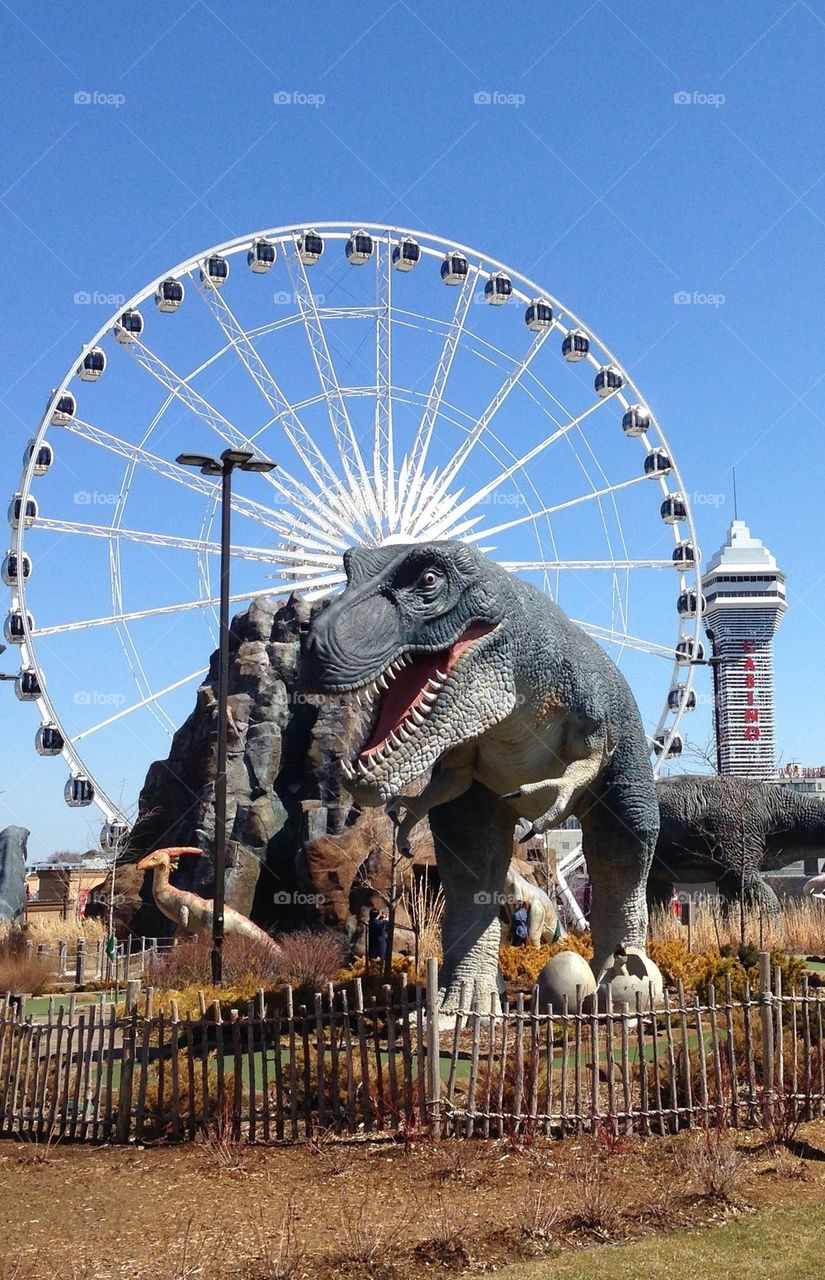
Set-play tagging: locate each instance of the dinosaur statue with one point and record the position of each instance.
(543, 923)
(730, 830)
(462, 669)
(189, 911)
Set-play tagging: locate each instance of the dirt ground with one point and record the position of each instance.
(368, 1208)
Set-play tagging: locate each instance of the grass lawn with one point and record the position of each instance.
(776, 1244)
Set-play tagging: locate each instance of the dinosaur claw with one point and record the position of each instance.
(511, 795)
(527, 836)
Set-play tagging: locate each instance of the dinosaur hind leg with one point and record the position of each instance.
(473, 838)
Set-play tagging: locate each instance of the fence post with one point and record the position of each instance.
(433, 1049)
(132, 995)
(62, 948)
(80, 963)
(766, 1014)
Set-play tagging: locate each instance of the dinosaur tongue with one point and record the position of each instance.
(407, 689)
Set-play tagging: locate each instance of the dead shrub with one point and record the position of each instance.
(189, 964)
(782, 1115)
(309, 959)
(460, 1161)
(369, 1238)
(21, 972)
(445, 1245)
(541, 1215)
(716, 1165)
(278, 1254)
(600, 1205)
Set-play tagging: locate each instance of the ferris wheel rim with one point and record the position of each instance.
(433, 246)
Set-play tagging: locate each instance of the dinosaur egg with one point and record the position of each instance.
(625, 976)
(560, 977)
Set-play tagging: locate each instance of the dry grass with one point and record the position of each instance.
(799, 928)
(45, 928)
(369, 1237)
(425, 911)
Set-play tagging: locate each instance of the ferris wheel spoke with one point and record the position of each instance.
(135, 454)
(283, 412)
(188, 606)
(136, 706)
(149, 538)
(417, 454)
(383, 459)
(607, 566)
(286, 485)
(506, 473)
(342, 429)
(485, 418)
(550, 511)
(614, 636)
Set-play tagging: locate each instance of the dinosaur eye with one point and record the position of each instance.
(429, 579)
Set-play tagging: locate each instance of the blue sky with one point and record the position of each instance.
(632, 156)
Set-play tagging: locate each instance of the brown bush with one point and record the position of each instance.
(716, 1165)
(21, 973)
(309, 959)
(189, 964)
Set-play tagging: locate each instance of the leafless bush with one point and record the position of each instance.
(368, 1236)
(599, 1204)
(21, 972)
(781, 1117)
(37, 1151)
(460, 1161)
(331, 1154)
(309, 959)
(189, 964)
(279, 1255)
(541, 1215)
(222, 1143)
(445, 1245)
(716, 1165)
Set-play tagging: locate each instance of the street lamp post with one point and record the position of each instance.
(223, 467)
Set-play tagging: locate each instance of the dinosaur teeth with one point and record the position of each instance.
(428, 699)
(442, 675)
(416, 716)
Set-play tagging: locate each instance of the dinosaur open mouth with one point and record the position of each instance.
(402, 697)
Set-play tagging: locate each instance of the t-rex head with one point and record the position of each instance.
(415, 635)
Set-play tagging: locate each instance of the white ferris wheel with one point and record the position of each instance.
(408, 388)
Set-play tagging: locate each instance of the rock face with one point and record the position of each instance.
(12, 871)
(297, 850)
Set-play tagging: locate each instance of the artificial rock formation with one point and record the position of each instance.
(12, 871)
(298, 852)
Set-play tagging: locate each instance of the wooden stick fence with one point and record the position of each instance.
(89, 1073)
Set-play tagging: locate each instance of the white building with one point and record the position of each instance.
(745, 593)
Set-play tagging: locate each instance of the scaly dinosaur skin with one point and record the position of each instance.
(189, 911)
(465, 670)
(730, 830)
